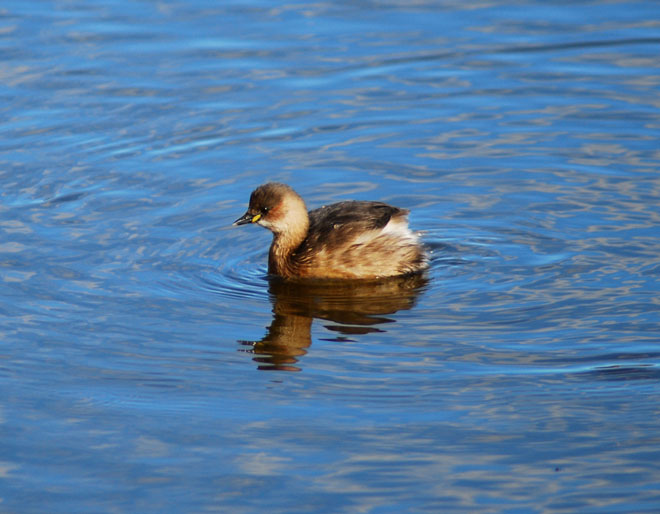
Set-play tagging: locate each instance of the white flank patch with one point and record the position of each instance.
(399, 228)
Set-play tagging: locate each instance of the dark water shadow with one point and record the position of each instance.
(353, 307)
(619, 373)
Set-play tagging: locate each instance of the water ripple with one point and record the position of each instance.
(240, 275)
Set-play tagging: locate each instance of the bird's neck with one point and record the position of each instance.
(281, 259)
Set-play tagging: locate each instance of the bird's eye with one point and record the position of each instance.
(264, 210)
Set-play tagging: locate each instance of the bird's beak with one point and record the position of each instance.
(247, 218)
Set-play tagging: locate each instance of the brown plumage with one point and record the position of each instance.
(343, 240)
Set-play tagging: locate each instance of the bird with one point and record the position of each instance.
(345, 240)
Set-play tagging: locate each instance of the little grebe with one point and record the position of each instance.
(343, 240)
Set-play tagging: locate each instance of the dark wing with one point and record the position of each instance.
(338, 223)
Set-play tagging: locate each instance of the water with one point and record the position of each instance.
(148, 364)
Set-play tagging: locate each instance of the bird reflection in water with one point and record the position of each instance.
(355, 307)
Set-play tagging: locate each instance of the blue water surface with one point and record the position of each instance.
(149, 364)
